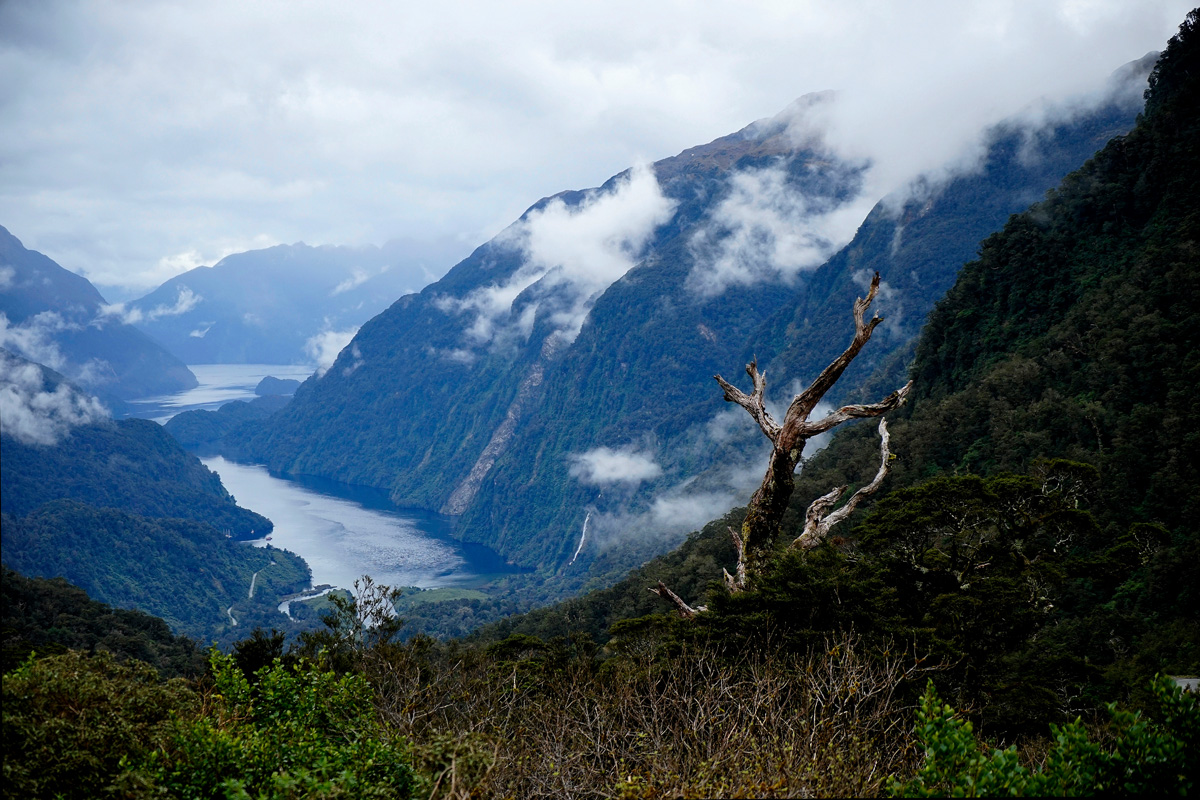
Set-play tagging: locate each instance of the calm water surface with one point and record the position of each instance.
(219, 384)
(342, 531)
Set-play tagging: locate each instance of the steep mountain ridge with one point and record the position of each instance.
(57, 318)
(285, 304)
(525, 404)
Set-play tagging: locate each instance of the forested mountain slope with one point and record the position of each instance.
(1059, 370)
(526, 400)
(57, 318)
(122, 511)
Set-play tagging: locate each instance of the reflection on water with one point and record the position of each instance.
(219, 384)
(342, 538)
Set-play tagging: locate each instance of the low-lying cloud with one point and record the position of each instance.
(34, 414)
(604, 466)
(34, 337)
(768, 229)
(571, 254)
(325, 347)
(185, 301)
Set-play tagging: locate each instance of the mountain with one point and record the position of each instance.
(1037, 528)
(283, 305)
(121, 510)
(561, 376)
(57, 318)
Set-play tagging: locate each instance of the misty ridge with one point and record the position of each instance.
(738, 228)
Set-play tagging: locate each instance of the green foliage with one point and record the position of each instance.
(52, 616)
(295, 732)
(133, 465)
(72, 722)
(413, 418)
(79, 726)
(1140, 756)
(184, 571)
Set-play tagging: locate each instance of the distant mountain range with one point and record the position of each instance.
(57, 318)
(283, 305)
(554, 391)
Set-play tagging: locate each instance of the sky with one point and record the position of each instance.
(141, 139)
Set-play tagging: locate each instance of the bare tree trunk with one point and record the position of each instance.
(764, 515)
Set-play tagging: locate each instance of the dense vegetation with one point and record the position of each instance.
(50, 617)
(84, 726)
(1029, 563)
(132, 465)
(185, 572)
(120, 510)
(204, 431)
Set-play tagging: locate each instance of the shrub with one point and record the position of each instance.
(1143, 756)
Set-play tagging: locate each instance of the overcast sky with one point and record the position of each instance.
(140, 139)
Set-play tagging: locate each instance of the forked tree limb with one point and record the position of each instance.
(817, 524)
(806, 401)
(764, 514)
(847, 413)
(754, 403)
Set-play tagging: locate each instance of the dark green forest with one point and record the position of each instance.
(121, 510)
(1001, 620)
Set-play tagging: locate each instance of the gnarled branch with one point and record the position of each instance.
(753, 403)
(817, 524)
(847, 413)
(685, 611)
(807, 400)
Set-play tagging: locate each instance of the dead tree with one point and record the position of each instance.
(764, 515)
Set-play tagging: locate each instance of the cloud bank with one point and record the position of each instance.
(140, 140)
(32, 413)
(571, 254)
(185, 301)
(326, 346)
(604, 466)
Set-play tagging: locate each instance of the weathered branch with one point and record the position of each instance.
(817, 524)
(755, 542)
(753, 403)
(847, 413)
(685, 611)
(737, 583)
(807, 400)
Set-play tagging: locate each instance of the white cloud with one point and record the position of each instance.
(185, 301)
(7, 276)
(604, 466)
(137, 139)
(767, 229)
(32, 414)
(33, 338)
(572, 254)
(357, 278)
(325, 347)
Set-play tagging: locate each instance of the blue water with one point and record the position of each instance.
(342, 531)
